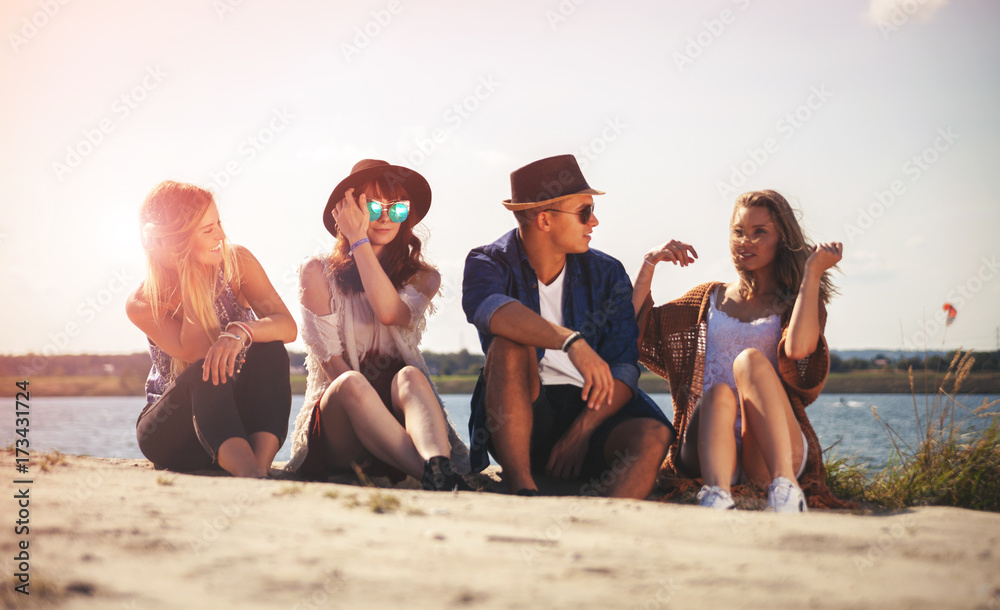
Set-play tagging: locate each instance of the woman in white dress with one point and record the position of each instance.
(759, 347)
(369, 399)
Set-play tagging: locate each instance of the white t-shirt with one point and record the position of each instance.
(555, 367)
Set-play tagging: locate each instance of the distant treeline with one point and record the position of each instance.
(137, 365)
(983, 361)
(459, 363)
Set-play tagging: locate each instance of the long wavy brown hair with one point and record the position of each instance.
(400, 259)
(793, 249)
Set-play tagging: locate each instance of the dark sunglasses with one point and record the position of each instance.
(398, 210)
(584, 214)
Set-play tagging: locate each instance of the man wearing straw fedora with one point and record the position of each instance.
(558, 393)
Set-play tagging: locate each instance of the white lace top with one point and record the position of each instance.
(352, 331)
(728, 336)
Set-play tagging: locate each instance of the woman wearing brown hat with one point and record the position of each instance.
(369, 398)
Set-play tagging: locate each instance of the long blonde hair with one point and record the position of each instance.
(793, 249)
(168, 219)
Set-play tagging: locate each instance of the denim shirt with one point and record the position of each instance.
(597, 299)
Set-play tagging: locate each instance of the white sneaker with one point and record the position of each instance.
(784, 496)
(715, 497)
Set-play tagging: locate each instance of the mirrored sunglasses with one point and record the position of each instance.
(398, 210)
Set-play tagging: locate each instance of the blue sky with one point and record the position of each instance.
(877, 120)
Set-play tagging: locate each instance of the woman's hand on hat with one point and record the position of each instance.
(351, 216)
(824, 256)
(676, 252)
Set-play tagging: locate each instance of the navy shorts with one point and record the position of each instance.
(555, 410)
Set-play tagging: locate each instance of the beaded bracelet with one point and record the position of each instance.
(249, 340)
(358, 244)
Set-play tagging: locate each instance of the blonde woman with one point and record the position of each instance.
(218, 392)
(745, 358)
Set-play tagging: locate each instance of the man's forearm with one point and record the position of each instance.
(590, 419)
(516, 322)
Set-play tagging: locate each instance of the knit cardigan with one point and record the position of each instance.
(672, 344)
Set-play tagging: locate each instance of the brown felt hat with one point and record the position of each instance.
(416, 187)
(547, 181)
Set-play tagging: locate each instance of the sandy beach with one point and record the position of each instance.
(113, 533)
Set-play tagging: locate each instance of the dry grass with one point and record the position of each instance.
(42, 592)
(379, 502)
(291, 489)
(47, 461)
(951, 465)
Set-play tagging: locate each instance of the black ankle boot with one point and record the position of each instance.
(434, 478)
(440, 476)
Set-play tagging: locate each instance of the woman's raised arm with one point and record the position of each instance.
(803, 328)
(677, 252)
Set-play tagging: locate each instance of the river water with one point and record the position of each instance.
(105, 426)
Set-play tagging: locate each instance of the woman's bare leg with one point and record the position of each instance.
(237, 458)
(265, 446)
(413, 398)
(772, 439)
(710, 448)
(356, 423)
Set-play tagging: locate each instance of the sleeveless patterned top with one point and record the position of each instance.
(228, 309)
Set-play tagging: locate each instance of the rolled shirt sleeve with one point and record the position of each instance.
(627, 374)
(484, 289)
(488, 307)
(598, 300)
(618, 345)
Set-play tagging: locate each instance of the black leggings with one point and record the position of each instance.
(185, 427)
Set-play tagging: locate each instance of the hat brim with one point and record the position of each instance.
(417, 189)
(527, 205)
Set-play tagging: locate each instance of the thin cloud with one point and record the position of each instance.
(881, 11)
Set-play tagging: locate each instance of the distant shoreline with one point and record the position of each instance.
(853, 382)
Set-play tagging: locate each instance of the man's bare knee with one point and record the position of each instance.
(505, 354)
(510, 364)
(656, 434)
(646, 437)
